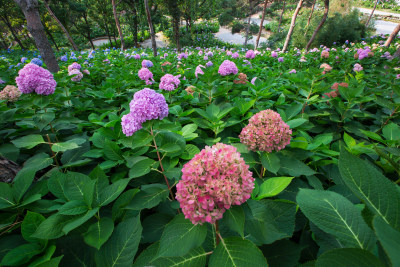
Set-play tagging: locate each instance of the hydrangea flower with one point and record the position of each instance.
(209, 64)
(1, 81)
(324, 54)
(326, 67)
(250, 54)
(274, 54)
(227, 67)
(147, 64)
(77, 75)
(280, 59)
(182, 55)
(10, 93)
(137, 56)
(74, 66)
(146, 75)
(266, 131)
(357, 67)
(64, 58)
(199, 71)
(293, 71)
(235, 55)
(146, 105)
(33, 78)
(213, 181)
(169, 82)
(37, 61)
(253, 81)
(24, 59)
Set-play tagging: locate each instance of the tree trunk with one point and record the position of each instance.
(152, 34)
(74, 46)
(121, 36)
(108, 33)
(8, 170)
(292, 24)
(8, 24)
(135, 28)
(372, 13)
(319, 25)
(280, 18)
(88, 31)
(176, 16)
(261, 24)
(397, 53)
(248, 25)
(392, 35)
(51, 37)
(312, 11)
(35, 27)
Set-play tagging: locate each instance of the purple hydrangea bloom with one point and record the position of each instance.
(146, 75)
(146, 105)
(235, 55)
(210, 54)
(199, 71)
(37, 61)
(274, 54)
(74, 66)
(293, 71)
(250, 54)
(64, 58)
(77, 75)
(24, 59)
(169, 82)
(33, 78)
(147, 63)
(1, 81)
(209, 64)
(280, 59)
(182, 55)
(227, 67)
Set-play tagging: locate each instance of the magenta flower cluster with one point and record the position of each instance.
(363, 53)
(227, 67)
(147, 63)
(146, 75)
(33, 78)
(169, 82)
(266, 131)
(73, 66)
(250, 54)
(213, 181)
(146, 105)
(199, 71)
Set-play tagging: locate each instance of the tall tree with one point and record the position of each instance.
(248, 23)
(372, 13)
(280, 18)
(121, 36)
(292, 24)
(311, 13)
(326, 2)
(75, 47)
(392, 35)
(35, 27)
(175, 13)
(7, 10)
(152, 34)
(261, 24)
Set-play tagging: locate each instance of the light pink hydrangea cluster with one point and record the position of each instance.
(75, 70)
(235, 55)
(250, 54)
(199, 71)
(74, 66)
(213, 181)
(33, 78)
(227, 67)
(357, 67)
(146, 75)
(266, 131)
(10, 93)
(169, 82)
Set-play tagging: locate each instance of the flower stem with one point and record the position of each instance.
(218, 236)
(54, 155)
(159, 160)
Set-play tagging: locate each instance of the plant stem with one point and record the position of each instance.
(159, 160)
(50, 145)
(218, 236)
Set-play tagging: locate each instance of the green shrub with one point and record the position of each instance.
(225, 18)
(237, 26)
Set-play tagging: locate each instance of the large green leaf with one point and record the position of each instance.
(99, 232)
(180, 236)
(389, 238)
(22, 182)
(79, 187)
(56, 184)
(141, 166)
(294, 167)
(273, 186)
(391, 132)
(271, 162)
(194, 258)
(43, 119)
(21, 254)
(378, 192)
(150, 196)
(110, 193)
(73, 207)
(121, 248)
(6, 196)
(64, 146)
(30, 224)
(28, 141)
(81, 219)
(348, 257)
(234, 219)
(52, 227)
(336, 215)
(234, 251)
(112, 150)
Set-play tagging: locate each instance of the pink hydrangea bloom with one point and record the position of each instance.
(250, 54)
(146, 105)
(78, 75)
(32, 78)
(10, 93)
(266, 131)
(326, 67)
(146, 75)
(274, 54)
(293, 71)
(169, 82)
(74, 66)
(86, 72)
(137, 56)
(235, 55)
(229, 53)
(253, 81)
(213, 181)
(199, 71)
(357, 67)
(227, 67)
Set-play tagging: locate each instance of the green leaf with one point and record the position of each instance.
(73, 207)
(112, 150)
(234, 251)
(71, 225)
(79, 187)
(271, 162)
(22, 182)
(273, 186)
(294, 167)
(141, 166)
(45, 259)
(149, 197)
(391, 132)
(180, 236)
(336, 215)
(121, 248)
(153, 226)
(61, 147)
(54, 262)
(389, 238)
(21, 254)
(99, 232)
(28, 141)
(194, 258)
(110, 193)
(52, 227)
(296, 123)
(38, 162)
(348, 257)
(56, 184)
(43, 119)
(367, 183)
(234, 218)
(30, 224)
(6, 196)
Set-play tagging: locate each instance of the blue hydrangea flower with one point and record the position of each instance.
(37, 61)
